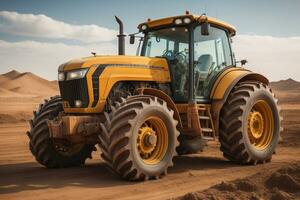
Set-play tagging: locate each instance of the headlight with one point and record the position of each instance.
(144, 27)
(76, 74)
(61, 76)
(178, 21)
(187, 20)
(78, 103)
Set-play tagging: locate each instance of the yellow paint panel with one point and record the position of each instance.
(112, 75)
(225, 80)
(160, 22)
(130, 60)
(170, 20)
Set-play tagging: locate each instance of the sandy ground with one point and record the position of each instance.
(16, 109)
(21, 177)
(275, 184)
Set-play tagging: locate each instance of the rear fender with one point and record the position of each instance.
(224, 85)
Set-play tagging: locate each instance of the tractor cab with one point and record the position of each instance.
(195, 45)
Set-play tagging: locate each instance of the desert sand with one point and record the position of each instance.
(199, 176)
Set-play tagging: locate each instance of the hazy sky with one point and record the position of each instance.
(39, 35)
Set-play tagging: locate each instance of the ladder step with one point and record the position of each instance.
(204, 117)
(208, 138)
(207, 130)
(201, 108)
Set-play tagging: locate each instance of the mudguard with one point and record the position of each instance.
(225, 83)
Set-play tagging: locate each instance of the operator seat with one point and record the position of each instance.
(202, 67)
(205, 61)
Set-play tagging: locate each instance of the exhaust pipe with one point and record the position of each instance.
(121, 37)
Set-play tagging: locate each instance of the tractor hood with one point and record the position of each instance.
(113, 60)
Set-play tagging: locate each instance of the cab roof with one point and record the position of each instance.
(201, 18)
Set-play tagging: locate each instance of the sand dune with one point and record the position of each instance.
(287, 91)
(14, 83)
(21, 93)
(3, 79)
(11, 74)
(9, 93)
(286, 85)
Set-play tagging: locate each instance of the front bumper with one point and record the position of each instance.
(75, 128)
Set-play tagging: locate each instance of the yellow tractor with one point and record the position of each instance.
(182, 90)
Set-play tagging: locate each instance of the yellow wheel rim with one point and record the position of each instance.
(152, 140)
(260, 125)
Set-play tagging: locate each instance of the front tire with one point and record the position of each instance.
(249, 124)
(47, 151)
(139, 138)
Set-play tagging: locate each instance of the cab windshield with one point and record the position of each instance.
(173, 44)
(168, 42)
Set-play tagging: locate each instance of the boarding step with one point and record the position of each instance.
(207, 130)
(201, 107)
(208, 138)
(206, 122)
(204, 117)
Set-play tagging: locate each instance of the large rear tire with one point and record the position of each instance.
(139, 138)
(250, 124)
(47, 151)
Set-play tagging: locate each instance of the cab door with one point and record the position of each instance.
(212, 53)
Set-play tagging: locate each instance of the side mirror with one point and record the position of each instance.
(132, 38)
(205, 28)
(243, 62)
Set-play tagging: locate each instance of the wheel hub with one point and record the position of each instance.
(147, 140)
(260, 125)
(152, 140)
(256, 124)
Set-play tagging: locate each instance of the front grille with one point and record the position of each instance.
(74, 90)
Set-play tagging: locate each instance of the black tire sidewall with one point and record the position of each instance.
(260, 155)
(58, 159)
(159, 111)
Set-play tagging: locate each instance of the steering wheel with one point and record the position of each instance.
(181, 56)
(169, 54)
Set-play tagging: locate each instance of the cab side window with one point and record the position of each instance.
(211, 54)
